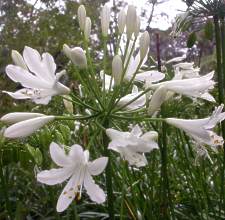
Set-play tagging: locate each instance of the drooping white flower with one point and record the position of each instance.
(24, 123)
(81, 13)
(121, 21)
(200, 129)
(87, 29)
(139, 103)
(76, 55)
(76, 167)
(186, 71)
(40, 82)
(105, 19)
(131, 20)
(117, 69)
(132, 145)
(144, 44)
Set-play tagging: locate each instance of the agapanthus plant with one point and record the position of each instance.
(124, 93)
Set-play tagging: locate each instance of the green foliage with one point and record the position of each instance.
(192, 38)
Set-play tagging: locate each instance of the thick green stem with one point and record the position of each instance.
(221, 85)
(108, 171)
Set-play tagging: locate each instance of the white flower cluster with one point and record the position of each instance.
(37, 74)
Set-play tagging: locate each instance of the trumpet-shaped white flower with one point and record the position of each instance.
(200, 129)
(194, 87)
(24, 123)
(176, 59)
(40, 82)
(132, 145)
(105, 19)
(138, 103)
(76, 167)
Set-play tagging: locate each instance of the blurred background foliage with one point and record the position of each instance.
(47, 29)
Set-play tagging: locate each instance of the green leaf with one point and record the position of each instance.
(191, 40)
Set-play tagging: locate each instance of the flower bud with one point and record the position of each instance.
(121, 21)
(137, 27)
(23, 128)
(144, 44)
(87, 29)
(81, 12)
(131, 20)
(67, 50)
(117, 69)
(18, 59)
(78, 57)
(105, 19)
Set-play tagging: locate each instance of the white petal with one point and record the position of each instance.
(152, 76)
(41, 68)
(18, 74)
(93, 190)
(58, 155)
(76, 154)
(68, 193)
(27, 127)
(42, 101)
(54, 176)
(50, 66)
(97, 166)
(19, 94)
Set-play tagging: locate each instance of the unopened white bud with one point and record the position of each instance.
(67, 50)
(18, 59)
(131, 20)
(137, 26)
(87, 29)
(121, 21)
(78, 57)
(117, 69)
(81, 13)
(144, 44)
(105, 19)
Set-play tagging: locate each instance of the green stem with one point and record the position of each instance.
(221, 99)
(141, 118)
(76, 117)
(110, 197)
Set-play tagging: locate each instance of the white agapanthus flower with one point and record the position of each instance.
(193, 87)
(186, 71)
(201, 129)
(40, 81)
(139, 103)
(132, 145)
(76, 167)
(24, 123)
